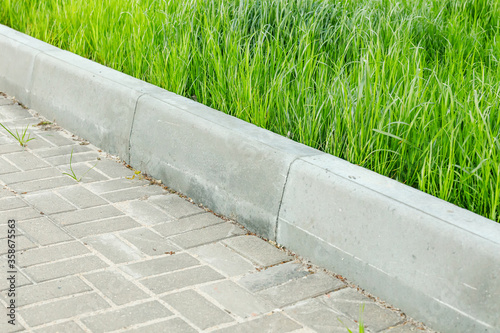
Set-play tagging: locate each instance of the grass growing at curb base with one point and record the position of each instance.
(409, 89)
(72, 174)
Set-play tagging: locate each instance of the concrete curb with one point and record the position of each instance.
(437, 262)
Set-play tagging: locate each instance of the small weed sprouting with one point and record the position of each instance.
(361, 325)
(19, 136)
(73, 175)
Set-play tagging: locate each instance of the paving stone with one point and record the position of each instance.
(121, 318)
(21, 243)
(49, 202)
(176, 206)
(237, 300)
(5, 193)
(149, 242)
(6, 168)
(57, 138)
(320, 318)
(86, 215)
(222, 258)
(181, 279)
(85, 172)
(26, 161)
(297, 290)
(11, 203)
(77, 158)
(113, 169)
(275, 323)
(273, 276)
(43, 231)
(101, 226)
(405, 328)
(13, 111)
(67, 327)
(63, 268)
(197, 309)
(5, 327)
(38, 143)
(10, 148)
(52, 253)
(207, 235)
(50, 290)
(160, 265)
(25, 176)
(349, 302)
(62, 309)
(4, 140)
(176, 325)
(20, 214)
(143, 212)
(63, 150)
(43, 184)
(114, 248)
(116, 287)
(81, 197)
(21, 279)
(116, 185)
(257, 250)
(187, 224)
(142, 192)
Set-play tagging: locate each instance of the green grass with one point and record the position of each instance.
(409, 89)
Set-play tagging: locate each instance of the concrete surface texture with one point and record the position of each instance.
(117, 253)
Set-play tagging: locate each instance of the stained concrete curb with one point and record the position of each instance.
(435, 261)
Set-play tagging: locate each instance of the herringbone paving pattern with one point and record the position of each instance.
(116, 252)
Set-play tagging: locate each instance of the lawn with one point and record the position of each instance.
(409, 89)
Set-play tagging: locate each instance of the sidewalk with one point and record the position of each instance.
(118, 252)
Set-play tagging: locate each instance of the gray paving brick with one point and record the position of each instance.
(21, 124)
(149, 242)
(5, 327)
(67, 327)
(101, 226)
(62, 309)
(273, 276)
(4, 140)
(85, 172)
(63, 150)
(57, 138)
(116, 287)
(197, 309)
(63, 268)
(257, 250)
(207, 235)
(10, 148)
(275, 323)
(77, 158)
(51, 290)
(81, 197)
(114, 248)
(38, 143)
(11, 203)
(20, 214)
(115, 185)
(142, 192)
(49, 202)
(86, 215)
(237, 300)
(21, 279)
(26, 161)
(13, 111)
(181, 279)
(121, 318)
(160, 265)
(6, 168)
(176, 206)
(43, 184)
(5, 193)
(406, 328)
(222, 258)
(143, 212)
(114, 169)
(348, 301)
(176, 325)
(52, 253)
(187, 224)
(320, 318)
(43, 231)
(21, 242)
(297, 290)
(25, 176)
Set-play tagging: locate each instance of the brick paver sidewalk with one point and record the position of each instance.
(112, 253)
